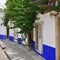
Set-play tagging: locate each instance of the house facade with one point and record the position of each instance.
(46, 36)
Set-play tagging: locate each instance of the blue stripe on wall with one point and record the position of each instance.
(19, 41)
(48, 52)
(3, 37)
(34, 48)
(33, 44)
(11, 38)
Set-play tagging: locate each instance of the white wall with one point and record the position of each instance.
(11, 32)
(48, 29)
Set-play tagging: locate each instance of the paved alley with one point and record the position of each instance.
(19, 52)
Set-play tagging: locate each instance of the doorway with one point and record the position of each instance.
(39, 37)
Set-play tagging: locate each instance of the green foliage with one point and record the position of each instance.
(5, 20)
(22, 13)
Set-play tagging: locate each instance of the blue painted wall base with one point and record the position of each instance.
(48, 52)
(19, 41)
(3, 37)
(11, 38)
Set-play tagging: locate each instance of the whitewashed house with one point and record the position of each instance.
(46, 36)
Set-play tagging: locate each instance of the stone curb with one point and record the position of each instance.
(3, 55)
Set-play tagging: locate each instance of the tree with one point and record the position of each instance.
(23, 13)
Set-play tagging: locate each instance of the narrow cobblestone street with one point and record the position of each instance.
(19, 52)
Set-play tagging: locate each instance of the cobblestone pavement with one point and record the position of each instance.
(19, 52)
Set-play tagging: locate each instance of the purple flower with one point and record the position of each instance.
(48, 5)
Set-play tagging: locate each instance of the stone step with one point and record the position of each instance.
(3, 55)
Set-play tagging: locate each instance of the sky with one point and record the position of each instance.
(2, 2)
